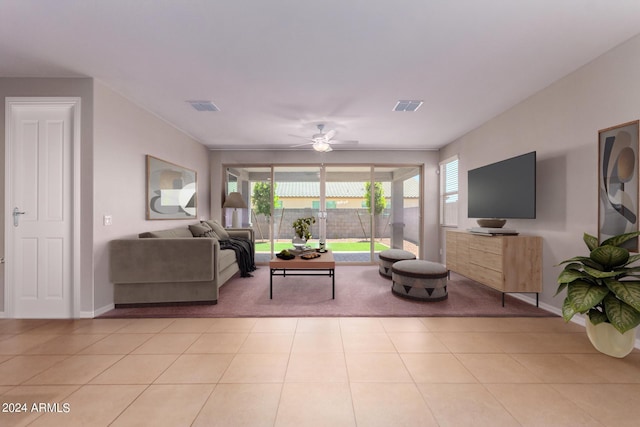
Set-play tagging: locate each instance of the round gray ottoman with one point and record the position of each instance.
(419, 280)
(391, 256)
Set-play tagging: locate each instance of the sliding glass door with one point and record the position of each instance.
(254, 185)
(297, 190)
(359, 210)
(348, 221)
(396, 208)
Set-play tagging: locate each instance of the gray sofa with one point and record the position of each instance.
(171, 266)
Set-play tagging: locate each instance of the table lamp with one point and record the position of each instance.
(234, 200)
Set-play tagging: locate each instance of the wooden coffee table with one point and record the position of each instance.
(324, 265)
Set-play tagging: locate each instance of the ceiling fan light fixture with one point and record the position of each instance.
(322, 147)
(407, 105)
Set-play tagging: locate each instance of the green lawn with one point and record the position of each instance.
(334, 246)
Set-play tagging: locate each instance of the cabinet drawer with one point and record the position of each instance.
(487, 244)
(451, 244)
(451, 235)
(462, 259)
(488, 277)
(486, 259)
(451, 252)
(463, 239)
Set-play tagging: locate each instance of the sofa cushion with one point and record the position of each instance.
(218, 229)
(202, 230)
(227, 257)
(180, 232)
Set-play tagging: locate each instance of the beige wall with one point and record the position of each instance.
(429, 160)
(116, 136)
(561, 123)
(124, 134)
(70, 87)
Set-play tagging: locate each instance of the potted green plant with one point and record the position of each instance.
(302, 227)
(604, 286)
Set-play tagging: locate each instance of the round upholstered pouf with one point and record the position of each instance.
(419, 280)
(391, 256)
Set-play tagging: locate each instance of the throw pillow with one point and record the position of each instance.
(218, 229)
(201, 230)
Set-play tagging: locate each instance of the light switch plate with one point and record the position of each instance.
(107, 220)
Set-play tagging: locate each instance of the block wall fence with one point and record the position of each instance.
(342, 223)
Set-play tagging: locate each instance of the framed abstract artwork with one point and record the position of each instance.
(618, 182)
(171, 190)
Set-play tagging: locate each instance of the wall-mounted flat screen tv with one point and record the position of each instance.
(505, 189)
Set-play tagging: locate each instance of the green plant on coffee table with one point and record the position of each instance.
(595, 283)
(302, 227)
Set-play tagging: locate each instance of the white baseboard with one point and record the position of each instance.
(83, 314)
(531, 300)
(578, 318)
(96, 313)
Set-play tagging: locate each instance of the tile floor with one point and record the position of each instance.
(311, 372)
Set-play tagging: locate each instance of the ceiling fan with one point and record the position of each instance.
(322, 141)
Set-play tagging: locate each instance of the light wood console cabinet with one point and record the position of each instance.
(505, 263)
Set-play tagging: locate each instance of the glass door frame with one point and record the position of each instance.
(323, 197)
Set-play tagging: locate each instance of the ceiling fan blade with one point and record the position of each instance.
(340, 142)
(330, 134)
(311, 141)
(322, 141)
(303, 137)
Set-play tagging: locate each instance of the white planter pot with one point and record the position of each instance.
(606, 339)
(298, 242)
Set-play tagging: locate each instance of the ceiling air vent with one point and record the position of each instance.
(407, 105)
(204, 105)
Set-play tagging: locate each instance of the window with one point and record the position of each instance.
(329, 204)
(449, 192)
(232, 182)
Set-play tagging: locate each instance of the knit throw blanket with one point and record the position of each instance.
(244, 253)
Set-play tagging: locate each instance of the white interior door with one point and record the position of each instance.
(40, 217)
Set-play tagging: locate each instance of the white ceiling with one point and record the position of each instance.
(280, 67)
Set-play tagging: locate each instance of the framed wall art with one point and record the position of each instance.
(618, 182)
(171, 190)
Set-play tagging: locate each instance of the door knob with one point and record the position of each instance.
(16, 216)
